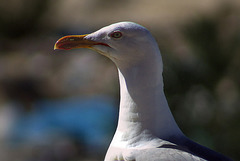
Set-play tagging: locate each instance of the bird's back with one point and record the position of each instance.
(184, 150)
(153, 154)
(165, 154)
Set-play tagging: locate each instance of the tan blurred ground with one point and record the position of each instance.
(153, 13)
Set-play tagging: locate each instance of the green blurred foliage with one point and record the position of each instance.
(203, 90)
(21, 18)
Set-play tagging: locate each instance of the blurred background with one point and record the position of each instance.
(63, 105)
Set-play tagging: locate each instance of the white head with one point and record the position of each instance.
(125, 43)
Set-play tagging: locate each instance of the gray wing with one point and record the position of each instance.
(167, 151)
(163, 154)
(172, 152)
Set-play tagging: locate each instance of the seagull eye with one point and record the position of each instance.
(116, 34)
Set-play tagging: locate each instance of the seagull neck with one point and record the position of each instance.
(143, 106)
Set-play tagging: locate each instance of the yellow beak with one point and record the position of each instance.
(75, 41)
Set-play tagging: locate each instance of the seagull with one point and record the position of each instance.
(146, 129)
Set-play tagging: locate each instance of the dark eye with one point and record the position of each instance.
(116, 34)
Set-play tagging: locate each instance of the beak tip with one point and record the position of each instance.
(57, 44)
(55, 47)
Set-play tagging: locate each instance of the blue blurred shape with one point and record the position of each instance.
(91, 121)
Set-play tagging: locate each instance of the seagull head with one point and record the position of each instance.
(124, 43)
